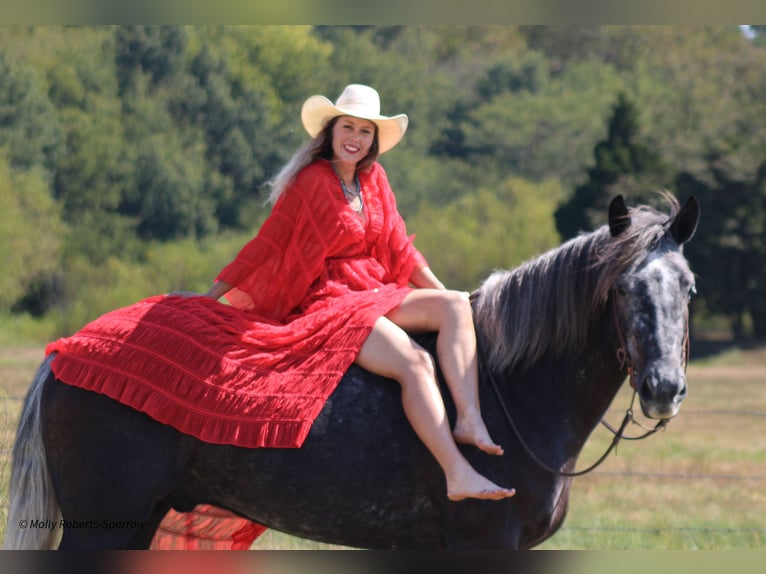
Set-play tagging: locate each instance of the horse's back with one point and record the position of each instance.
(361, 478)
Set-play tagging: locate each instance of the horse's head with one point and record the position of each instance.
(651, 304)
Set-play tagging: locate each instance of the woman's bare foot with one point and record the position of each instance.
(471, 484)
(475, 433)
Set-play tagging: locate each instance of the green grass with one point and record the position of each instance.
(19, 330)
(698, 485)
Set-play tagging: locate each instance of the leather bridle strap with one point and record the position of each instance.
(618, 435)
(623, 357)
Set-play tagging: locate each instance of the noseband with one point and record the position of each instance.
(623, 359)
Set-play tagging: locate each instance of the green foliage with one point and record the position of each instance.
(137, 139)
(564, 44)
(538, 131)
(493, 228)
(530, 75)
(28, 124)
(164, 267)
(759, 38)
(729, 252)
(93, 174)
(157, 51)
(31, 233)
(620, 160)
(171, 202)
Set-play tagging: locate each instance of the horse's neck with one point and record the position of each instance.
(564, 398)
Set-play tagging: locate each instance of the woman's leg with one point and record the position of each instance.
(449, 313)
(390, 352)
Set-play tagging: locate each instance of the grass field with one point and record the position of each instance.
(700, 484)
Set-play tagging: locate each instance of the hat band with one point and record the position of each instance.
(358, 108)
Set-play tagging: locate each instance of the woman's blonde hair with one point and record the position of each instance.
(314, 149)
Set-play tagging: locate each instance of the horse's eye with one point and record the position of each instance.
(692, 292)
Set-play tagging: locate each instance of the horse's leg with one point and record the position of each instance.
(110, 466)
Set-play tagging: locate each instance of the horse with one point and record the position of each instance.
(557, 338)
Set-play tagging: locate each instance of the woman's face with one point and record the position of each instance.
(352, 139)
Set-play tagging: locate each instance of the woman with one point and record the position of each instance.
(335, 244)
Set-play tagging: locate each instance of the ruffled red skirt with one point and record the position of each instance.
(221, 374)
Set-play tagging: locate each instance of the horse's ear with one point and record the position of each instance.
(685, 223)
(619, 220)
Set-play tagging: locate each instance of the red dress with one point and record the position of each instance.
(307, 292)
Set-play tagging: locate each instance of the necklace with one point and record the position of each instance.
(354, 198)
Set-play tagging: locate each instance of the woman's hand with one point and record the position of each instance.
(218, 290)
(424, 278)
(183, 294)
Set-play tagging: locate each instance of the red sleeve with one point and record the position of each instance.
(395, 248)
(273, 272)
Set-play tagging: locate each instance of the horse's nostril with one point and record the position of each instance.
(645, 391)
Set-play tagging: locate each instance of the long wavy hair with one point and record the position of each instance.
(315, 149)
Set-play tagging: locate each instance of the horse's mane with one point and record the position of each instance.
(547, 305)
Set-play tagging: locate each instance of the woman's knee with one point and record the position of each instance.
(420, 364)
(413, 367)
(390, 352)
(457, 304)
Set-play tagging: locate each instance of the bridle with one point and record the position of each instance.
(623, 358)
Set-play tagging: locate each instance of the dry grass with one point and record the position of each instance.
(697, 485)
(700, 484)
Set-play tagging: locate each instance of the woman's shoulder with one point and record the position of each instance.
(375, 174)
(313, 178)
(320, 170)
(376, 170)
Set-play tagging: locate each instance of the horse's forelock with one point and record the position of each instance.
(548, 304)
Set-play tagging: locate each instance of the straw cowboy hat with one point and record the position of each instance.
(358, 101)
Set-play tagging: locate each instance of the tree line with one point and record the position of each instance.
(133, 158)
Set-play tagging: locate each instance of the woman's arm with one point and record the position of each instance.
(423, 277)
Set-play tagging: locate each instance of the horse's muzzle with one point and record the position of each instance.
(661, 389)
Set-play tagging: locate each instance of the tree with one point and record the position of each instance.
(31, 235)
(493, 228)
(157, 51)
(94, 173)
(529, 75)
(158, 135)
(759, 35)
(166, 196)
(563, 44)
(524, 120)
(728, 253)
(620, 160)
(29, 128)
(170, 202)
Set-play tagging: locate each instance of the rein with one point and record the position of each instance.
(617, 437)
(624, 360)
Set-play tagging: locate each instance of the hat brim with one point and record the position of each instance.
(318, 110)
